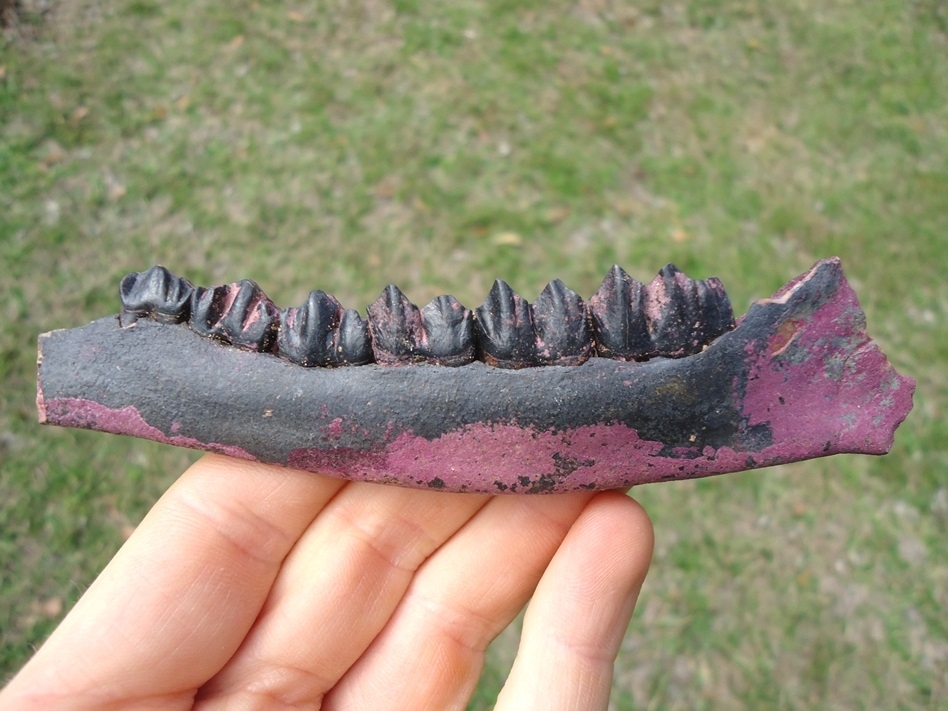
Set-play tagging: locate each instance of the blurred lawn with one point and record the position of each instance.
(341, 146)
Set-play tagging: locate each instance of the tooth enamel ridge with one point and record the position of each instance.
(155, 293)
(673, 316)
(503, 327)
(238, 313)
(562, 333)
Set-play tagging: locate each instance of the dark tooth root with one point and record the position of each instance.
(396, 328)
(617, 318)
(503, 329)
(155, 293)
(238, 313)
(685, 314)
(308, 333)
(559, 319)
(448, 331)
(353, 346)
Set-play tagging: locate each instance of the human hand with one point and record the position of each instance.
(251, 586)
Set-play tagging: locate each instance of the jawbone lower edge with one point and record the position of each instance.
(797, 378)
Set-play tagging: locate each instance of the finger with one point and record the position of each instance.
(581, 610)
(337, 589)
(430, 654)
(177, 599)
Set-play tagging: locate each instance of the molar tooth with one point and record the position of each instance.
(504, 329)
(397, 332)
(353, 344)
(685, 314)
(156, 293)
(307, 332)
(559, 318)
(617, 316)
(448, 331)
(718, 315)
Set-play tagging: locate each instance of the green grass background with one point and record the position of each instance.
(344, 145)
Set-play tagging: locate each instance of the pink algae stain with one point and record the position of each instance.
(87, 414)
(821, 380)
(507, 458)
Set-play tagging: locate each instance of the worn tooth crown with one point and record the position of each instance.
(155, 293)
(559, 320)
(449, 332)
(353, 346)
(685, 314)
(238, 313)
(504, 330)
(617, 318)
(396, 328)
(308, 333)
(673, 316)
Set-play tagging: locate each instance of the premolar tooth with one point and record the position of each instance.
(504, 329)
(395, 323)
(448, 330)
(308, 332)
(238, 313)
(157, 293)
(617, 315)
(559, 318)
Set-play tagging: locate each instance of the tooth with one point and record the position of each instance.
(156, 293)
(353, 345)
(207, 309)
(684, 314)
(307, 332)
(448, 331)
(396, 328)
(504, 329)
(716, 310)
(617, 316)
(238, 313)
(559, 318)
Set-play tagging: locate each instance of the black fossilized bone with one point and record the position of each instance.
(641, 383)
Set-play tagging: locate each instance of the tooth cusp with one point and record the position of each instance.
(503, 328)
(685, 314)
(353, 345)
(396, 329)
(617, 318)
(559, 321)
(308, 333)
(155, 293)
(448, 328)
(238, 313)
(673, 316)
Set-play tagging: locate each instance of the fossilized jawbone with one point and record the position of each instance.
(642, 383)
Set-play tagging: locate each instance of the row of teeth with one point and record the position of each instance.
(672, 317)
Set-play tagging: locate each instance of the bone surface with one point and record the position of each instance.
(796, 378)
